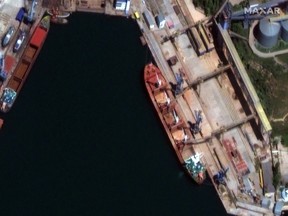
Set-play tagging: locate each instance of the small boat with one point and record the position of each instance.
(59, 20)
(55, 12)
(8, 36)
(20, 39)
(173, 122)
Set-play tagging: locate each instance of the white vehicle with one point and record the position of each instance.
(8, 36)
(20, 39)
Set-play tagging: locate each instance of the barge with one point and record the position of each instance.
(19, 75)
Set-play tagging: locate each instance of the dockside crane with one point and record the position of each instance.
(180, 81)
(31, 12)
(219, 177)
(196, 127)
(203, 78)
(178, 32)
(221, 130)
(226, 13)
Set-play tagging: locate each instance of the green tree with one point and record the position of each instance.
(276, 174)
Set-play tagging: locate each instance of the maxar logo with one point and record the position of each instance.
(262, 11)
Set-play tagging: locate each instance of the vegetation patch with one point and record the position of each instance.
(276, 174)
(209, 6)
(281, 45)
(283, 57)
(237, 27)
(270, 79)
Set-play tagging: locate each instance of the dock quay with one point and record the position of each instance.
(90, 6)
(235, 131)
(215, 82)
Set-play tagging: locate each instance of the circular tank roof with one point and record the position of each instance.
(268, 28)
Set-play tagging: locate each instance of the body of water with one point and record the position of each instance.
(83, 137)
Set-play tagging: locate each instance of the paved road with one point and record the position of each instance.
(157, 53)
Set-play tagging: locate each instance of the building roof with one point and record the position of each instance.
(121, 1)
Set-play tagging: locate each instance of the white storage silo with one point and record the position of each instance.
(268, 33)
(284, 30)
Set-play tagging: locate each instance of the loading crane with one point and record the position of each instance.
(219, 177)
(180, 81)
(196, 127)
(178, 32)
(268, 4)
(221, 130)
(31, 12)
(201, 79)
(248, 13)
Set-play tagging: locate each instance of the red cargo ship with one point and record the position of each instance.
(173, 122)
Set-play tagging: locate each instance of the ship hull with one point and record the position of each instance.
(160, 109)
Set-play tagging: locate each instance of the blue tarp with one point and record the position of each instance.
(3, 75)
(20, 14)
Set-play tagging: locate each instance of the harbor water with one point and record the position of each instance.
(83, 137)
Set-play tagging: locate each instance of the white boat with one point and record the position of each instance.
(8, 36)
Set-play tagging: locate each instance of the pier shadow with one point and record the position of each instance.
(173, 88)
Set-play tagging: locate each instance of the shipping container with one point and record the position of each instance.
(137, 16)
(148, 19)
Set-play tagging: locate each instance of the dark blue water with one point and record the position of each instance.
(83, 137)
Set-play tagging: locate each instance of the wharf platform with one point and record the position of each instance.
(91, 6)
(218, 99)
